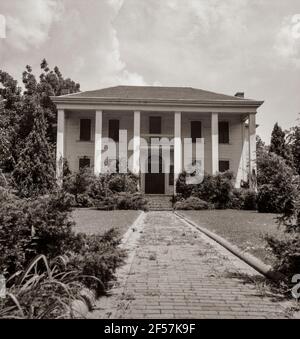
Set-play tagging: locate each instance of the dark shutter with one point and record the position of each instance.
(223, 132)
(114, 127)
(85, 130)
(224, 166)
(171, 176)
(196, 130)
(84, 162)
(155, 125)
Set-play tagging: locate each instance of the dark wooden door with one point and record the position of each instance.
(155, 182)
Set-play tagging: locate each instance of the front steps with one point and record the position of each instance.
(159, 202)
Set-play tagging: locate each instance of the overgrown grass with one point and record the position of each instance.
(90, 221)
(244, 229)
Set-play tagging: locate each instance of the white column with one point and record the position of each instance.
(136, 142)
(252, 151)
(215, 142)
(60, 145)
(177, 147)
(98, 143)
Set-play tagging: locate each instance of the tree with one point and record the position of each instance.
(279, 145)
(9, 121)
(51, 83)
(294, 139)
(16, 120)
(34, 173)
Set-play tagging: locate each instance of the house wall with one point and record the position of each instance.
(236, 151)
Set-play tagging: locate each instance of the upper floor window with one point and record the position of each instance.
(85, 130)
(196, 130)
(155, 125)
(114, 130)
(224, 132)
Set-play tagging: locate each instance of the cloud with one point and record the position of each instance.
(287, 43)
(29, 22)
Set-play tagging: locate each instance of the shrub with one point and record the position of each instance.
(89, 190)
(243, 199)
(78, 185)
(191, 203)
(286, 248)
(31, 227)
(249, 198)
(275, 183)
(124, 201)
(182, 189)
(216, 190)
(97, 256)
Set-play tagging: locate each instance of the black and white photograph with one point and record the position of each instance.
(149, 162)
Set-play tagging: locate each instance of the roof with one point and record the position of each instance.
(152, 92)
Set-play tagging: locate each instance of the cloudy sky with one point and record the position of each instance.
(220, 45)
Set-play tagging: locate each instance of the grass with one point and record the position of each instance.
(91, 221)
(244, 229)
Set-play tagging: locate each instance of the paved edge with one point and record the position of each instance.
(106, 306)
(255, 263)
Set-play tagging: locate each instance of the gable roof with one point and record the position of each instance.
(153, 92)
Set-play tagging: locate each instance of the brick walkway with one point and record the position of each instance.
(176, 272)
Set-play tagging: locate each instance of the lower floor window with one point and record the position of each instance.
(84, 163)
(224, 165)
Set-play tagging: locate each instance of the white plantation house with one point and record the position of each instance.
(226, 125)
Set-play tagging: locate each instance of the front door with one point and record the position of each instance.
(155, 182)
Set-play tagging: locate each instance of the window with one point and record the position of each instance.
(155, 125)
(171, 176)
(114, 127)
(85, 130)
(224, 165)
(84, 163)
(196, 130)
(224, 132)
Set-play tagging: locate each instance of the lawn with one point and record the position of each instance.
(91, 221)
(244, 229)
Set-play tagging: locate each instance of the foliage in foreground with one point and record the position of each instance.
(42, 291)
(41, 227)
(287, 248)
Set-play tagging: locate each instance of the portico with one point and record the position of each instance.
(136, 110)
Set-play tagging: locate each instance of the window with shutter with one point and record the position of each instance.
(224, 132)
(114, 128)
(155, 125)
(196, 130)
(224, 166)
(85, 130)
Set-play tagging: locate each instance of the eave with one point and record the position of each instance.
(69, 100)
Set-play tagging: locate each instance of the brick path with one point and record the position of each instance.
(176, 272)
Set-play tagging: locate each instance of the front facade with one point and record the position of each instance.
(226, 124)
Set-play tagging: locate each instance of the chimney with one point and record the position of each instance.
(240, 95)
